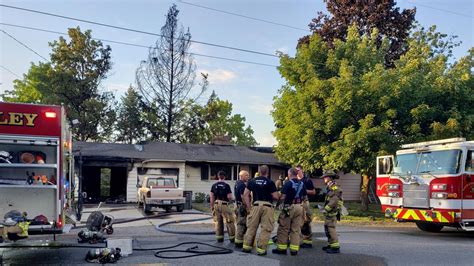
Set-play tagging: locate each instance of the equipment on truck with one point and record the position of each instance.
(430, 183)
(35, 165)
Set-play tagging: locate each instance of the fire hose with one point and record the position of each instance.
(160, 251)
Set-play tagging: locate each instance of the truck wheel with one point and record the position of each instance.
(180, 208)
(146, 207)
(429, 227)
(167, 209)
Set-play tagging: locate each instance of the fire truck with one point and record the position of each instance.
(35, 165)
(429, 183)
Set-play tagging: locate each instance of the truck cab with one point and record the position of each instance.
(429, 183)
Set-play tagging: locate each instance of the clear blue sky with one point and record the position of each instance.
(250, 88)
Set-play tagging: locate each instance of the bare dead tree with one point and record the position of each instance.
(166, 80)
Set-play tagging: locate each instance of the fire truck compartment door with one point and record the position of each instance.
(34, 200)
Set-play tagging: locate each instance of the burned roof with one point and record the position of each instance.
(166, 151)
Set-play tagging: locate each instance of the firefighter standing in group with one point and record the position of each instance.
(291, 215)
(263, 193)
(332, 211)
(279, 183)
(310, 191)
(221, 197)
(241, 211)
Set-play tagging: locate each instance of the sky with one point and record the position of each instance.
(249, 87)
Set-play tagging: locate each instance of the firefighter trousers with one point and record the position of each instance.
(223, 214)
(306, 228)
(261, 214)
(330, 230)
(290, 222)
(241, 225)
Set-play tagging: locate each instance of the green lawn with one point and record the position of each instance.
(203, 207)
(373, 216)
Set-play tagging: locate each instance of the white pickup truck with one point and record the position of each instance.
(160, 191)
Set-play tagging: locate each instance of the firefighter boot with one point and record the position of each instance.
(326, 248)
(279, 251)
(333, 250)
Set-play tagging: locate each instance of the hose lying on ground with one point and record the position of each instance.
(192, 251)
(160, 228)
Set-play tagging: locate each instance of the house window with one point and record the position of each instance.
(209, 171)
(220, 167)
(205, 172)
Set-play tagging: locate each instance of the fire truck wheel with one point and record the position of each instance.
(429, 227)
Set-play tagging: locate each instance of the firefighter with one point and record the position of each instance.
(310, 191)
(221, 196)
(279, 183)
(332, 209)
(291, 215)
(241, 211)
(263, 192)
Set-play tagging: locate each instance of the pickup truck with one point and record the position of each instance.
(160, 191)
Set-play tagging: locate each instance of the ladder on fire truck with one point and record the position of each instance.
(373, 199)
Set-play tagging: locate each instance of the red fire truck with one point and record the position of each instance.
(429, 183)
(35, 164)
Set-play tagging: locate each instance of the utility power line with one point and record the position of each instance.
(245, 16)
(441, 9)
(132, 30)
(9, 71)
(24, 45)
(137, 45)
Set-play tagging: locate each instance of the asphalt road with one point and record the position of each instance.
(359, 246)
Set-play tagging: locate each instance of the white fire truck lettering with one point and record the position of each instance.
(16, 119)
(30, 119)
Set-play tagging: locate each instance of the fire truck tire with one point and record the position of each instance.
(429, 227)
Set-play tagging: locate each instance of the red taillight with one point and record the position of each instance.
(148, 194)
(59, 224)
(50, 115)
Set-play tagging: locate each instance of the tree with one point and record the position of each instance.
(347, 108)
(215, 119)
(381, 14)
(73, 78)
(166, 79)
(130, 123)
(29, 89)
(221, 122)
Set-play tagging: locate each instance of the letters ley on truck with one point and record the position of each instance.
(35, 164)
(429, 183)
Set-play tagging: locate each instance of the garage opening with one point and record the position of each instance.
(105, 184)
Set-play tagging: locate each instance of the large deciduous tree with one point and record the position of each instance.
(215, 119)
(166, 80)
(341, 107)
(73, 77)
(391, 23)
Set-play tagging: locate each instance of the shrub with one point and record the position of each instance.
(199, 197)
